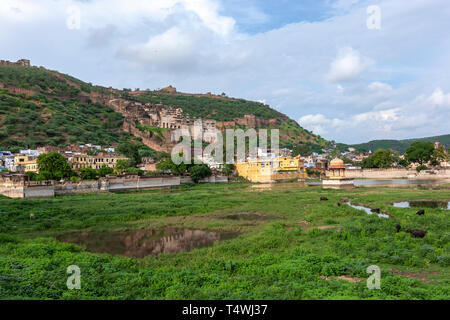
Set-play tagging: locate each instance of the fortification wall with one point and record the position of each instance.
(77, 188)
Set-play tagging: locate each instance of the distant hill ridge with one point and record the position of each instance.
(399, 145)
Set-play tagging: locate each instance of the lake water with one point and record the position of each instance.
(432, 204)
(388, 182)
(367, 210)
(143, 243)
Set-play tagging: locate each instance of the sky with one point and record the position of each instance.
(348, 70)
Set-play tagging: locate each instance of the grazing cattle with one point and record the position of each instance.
(420, 212)
(339, 204)
(398, 227)
(377, 210)
(417, 233)
(32, 216)
(323, 198)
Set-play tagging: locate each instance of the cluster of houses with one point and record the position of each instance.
(77, 156)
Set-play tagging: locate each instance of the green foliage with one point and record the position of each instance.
(398, 145)
(420, 152)
(33, 176)
(302, 150)
(204, 107)
(36, 79)
(55, 165)
(167, 165)
(421, 168)
(123, 165)
(227, 169)
(382, 158)
(273, 258)
(88, 173)
(158, 132)
(199, 172)
(131, 151)
(103, 171)
(26, 124)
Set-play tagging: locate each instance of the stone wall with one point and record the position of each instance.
(77, 188)
(397, 173)
(138, 183)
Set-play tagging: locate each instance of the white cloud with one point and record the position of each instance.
(379, 86)
(439, 99)
(348, 65)
(319, 124)
(318, 72)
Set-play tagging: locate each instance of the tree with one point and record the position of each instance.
(419, 152)
(403, 163)
(302, 150)
(383, 158)
(32, 175)
(122, 165)
(439, 155)
(54, 165)
(104, 171)
(131, 151)
(168, 165)
(227, 169)
(88, 173)
(199, 172)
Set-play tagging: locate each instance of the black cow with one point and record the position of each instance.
(417, 233)
(323, 198)
(339, 204)
(420, 212)
(398, 227)
(377, 210)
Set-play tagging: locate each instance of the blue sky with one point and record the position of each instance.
(316, 61)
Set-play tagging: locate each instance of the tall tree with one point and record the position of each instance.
(55, 165)
(131, 151)
(419, 152)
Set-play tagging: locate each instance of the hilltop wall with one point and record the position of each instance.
(19, 63)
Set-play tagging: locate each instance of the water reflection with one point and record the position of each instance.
(367, 210)
(432, 204)
(143, 243)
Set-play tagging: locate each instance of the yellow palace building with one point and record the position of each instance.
(26, 163)
(272, 169)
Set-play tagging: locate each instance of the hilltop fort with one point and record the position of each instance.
(20, 63)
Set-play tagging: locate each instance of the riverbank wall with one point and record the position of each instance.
(18, 186)
(397, 173)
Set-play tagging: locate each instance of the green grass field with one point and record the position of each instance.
(297, 252)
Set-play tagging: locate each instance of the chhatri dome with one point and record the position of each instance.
(336, 174)
(336, 163)
(336, 169)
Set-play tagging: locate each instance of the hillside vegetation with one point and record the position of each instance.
(61, 112)
(29, 122)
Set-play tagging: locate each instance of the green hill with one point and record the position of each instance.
(32, 121)
(399, 145)
(43, 107)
